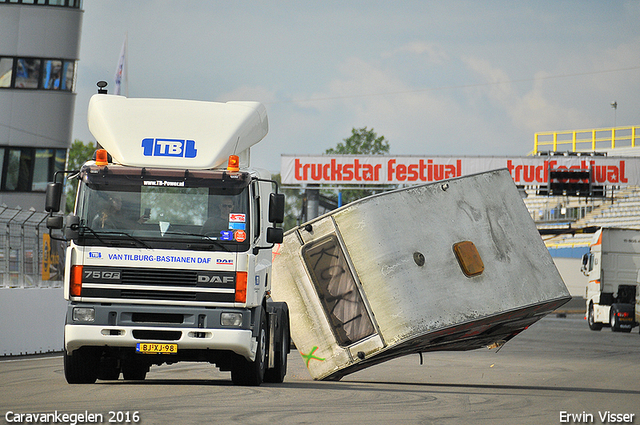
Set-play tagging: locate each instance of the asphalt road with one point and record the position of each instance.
(555, 366)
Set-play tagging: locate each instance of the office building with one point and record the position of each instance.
(39, 48)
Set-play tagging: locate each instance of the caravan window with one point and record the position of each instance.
(337, 290)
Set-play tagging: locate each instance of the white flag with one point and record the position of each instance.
(120, 68)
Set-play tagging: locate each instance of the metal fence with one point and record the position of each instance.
(28, 257)
(587, 140)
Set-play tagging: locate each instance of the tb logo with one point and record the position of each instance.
(179, 148)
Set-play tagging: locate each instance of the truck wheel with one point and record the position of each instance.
(249, 373)
(80, 367)
(109, 373)
(592, 321)
(277, 374)
(108, 369)
(613, 320)
(134, 371)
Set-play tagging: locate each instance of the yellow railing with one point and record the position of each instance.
(587, 140)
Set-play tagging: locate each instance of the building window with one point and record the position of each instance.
(52, 74)
(29, 169)
(6, 70)
(47, 162)
(68, 75)
(27, 73)
(37, 73)
(76, 4)
(18, 163)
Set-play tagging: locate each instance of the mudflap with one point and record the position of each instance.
(279, 341)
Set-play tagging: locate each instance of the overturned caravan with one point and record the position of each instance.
(454, 265)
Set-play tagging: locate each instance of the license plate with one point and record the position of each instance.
(156, 348)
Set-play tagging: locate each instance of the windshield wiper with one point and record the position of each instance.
(103, 233)
(83, 228)
(209, 243)
(205, 240)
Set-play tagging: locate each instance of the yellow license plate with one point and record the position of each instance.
(156, 348)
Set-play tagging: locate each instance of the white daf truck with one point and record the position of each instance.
(612, 266)
(169, 246)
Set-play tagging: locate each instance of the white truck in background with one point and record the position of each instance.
(169, 245)
(612, 266)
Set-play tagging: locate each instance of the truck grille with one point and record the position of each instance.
(157, 335)
(139, 317)
(185, 278)
(157, 284)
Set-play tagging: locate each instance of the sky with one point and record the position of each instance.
(450, 77)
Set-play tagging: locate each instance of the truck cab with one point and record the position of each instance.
(612, 266)
(169, 244)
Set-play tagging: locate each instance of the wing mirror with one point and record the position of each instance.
(52, 197)
(275, 235)
(276, 208)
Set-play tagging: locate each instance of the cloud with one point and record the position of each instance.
(252, 93)
(414, 120)
(433, 52)
(536, 109)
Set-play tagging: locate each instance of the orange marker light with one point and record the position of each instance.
(234, 163)
(101, 157)
(75, 287)
(469, 258)
(241, 287)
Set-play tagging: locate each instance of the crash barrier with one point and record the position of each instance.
(29, 257)
(31, 320)
(30, 281)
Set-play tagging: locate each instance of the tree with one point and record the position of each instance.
(361, 142)
(293, 204)
(79, 153)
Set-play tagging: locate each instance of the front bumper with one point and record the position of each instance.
(126, 325)
(237, 340)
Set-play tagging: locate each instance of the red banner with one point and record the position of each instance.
(378, 170)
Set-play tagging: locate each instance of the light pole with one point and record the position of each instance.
(614, 105)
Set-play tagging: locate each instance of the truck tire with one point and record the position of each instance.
(277, 374)
(592, 321)
(81, 367)
(110, 374)
(248, 373)
(133, 370)
(108, 369)
(615, 322)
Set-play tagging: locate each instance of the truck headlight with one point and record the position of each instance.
(84, 314)
(231, 319)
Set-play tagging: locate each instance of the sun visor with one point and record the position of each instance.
(175, 133)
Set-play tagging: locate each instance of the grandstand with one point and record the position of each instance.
(620, 207)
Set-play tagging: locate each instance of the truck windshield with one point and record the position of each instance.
(162, 215)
